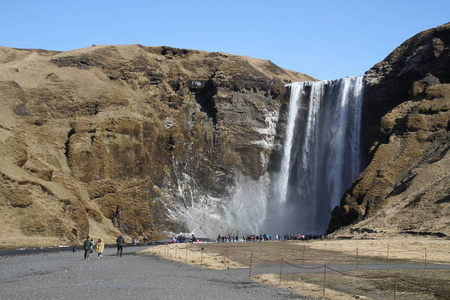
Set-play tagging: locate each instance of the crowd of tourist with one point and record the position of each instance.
(266, 237)
(228, 238)
(183, 239)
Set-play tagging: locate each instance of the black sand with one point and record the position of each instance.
(66, 275)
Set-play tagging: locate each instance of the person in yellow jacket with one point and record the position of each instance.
(100, 248)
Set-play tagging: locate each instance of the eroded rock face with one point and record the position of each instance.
(406, 185)
(128, 138)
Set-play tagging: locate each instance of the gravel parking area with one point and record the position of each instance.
(66, 275)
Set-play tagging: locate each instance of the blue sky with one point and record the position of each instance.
(324, 39)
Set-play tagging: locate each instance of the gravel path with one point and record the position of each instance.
(66, 275)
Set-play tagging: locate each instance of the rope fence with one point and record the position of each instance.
(203, 252)
(307, 264)
(359, 259)
(324, 267)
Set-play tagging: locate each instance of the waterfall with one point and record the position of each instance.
(321, 155)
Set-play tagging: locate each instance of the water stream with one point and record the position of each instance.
(321, 155)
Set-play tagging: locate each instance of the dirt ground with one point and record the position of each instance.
(423, 282)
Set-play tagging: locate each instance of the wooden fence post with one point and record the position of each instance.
(250, 268)
(186, 252)
(426, 264)
(357, 259)
(281, 269)
(303, 256)
(388, 252)
(201, 260)
(395, 288)
(228, 259)
(324, 279)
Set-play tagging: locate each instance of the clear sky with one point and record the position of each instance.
(326, 39)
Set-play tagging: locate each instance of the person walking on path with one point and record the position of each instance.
(100, 248)
(120, 243)
(87, 247)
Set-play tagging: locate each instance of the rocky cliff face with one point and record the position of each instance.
(133, 139)
(406, 185)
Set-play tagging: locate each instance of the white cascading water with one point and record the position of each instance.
(321, 155)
